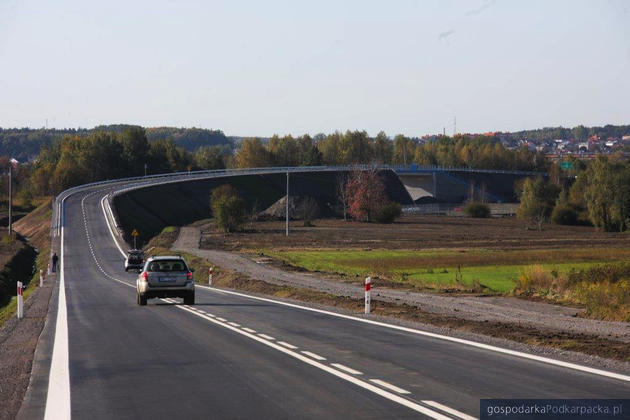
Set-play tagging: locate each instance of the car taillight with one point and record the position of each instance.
(189, 276)
(145, 276)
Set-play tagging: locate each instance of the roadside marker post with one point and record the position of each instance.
(20, 301)
(210, 273)
(48, 269)
(42, 278)
(368, 288)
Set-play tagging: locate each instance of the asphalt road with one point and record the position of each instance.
(234, 356)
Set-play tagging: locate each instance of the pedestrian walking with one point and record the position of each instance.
(55, 259)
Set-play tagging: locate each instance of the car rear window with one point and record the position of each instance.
(167, 265)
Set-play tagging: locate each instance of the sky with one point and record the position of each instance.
(253, 68)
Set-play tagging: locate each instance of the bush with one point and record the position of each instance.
(227, 208)
(388, 213)
(564, 215)
(533, 278)
(478, 210)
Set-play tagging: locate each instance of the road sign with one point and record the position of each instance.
(566, 165)
(134, 233)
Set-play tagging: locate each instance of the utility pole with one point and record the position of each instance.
(10, 198)
(287, 206)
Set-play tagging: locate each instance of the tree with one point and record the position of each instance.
(537, 199)
(383, 149)
(209, 157)
(607, 194)
(366, 194)
(135, 150)
(227, 208)
(404, 150)
(342, 193)
(252, 154)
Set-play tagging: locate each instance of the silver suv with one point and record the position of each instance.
(165, 276)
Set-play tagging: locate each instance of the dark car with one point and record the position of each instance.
(134, 260)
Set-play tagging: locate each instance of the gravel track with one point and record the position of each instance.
(543, 316)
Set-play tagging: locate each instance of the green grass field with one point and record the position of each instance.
(496, 271)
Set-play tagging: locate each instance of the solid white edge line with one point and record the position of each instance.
(488, 347)
(407, 403)
(58, 394)
(391, 387)
(287, 345)
(448, 410)
(221, 319)
(365, 385)
(110, 227)
(313, 355)
(346, 368)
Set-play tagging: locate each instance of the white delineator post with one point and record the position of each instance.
(42, 277)
(20, 301)
(210, 273)
(48, 269)
(368, 288)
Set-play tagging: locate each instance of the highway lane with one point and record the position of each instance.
(132, 361)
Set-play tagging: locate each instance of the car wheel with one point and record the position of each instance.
(142, 300)
(126, 269)
(190, 299)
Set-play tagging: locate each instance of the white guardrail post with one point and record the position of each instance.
(368, 287)
(20, 301)
(210, 273)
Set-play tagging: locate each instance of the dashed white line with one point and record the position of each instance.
(390, 386)
(249, 330)
(346, 369)
(234, 324)
(266, 337)
(338, 373)
(221, 319)
(287, 345)
(448, 410)
(313, 355)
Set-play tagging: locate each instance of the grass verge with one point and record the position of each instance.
(488, 271)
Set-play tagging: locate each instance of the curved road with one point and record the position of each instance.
(236, 356)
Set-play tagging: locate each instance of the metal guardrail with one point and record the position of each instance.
(143, 181)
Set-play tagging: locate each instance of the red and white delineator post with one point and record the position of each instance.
(210, 274)
(20, 301)
(368, 288)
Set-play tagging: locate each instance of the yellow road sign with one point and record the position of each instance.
(134, 233)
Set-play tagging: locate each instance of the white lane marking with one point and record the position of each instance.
(266, 337)
(488, 347)
(346, 368)
(212, 318)
(365, 385)
(390, 386)
(58, 395)
(313, 355)
(234, 324)
(448, 410)
(221, 319)
(287, 345)
(249, 330)
(110, 228)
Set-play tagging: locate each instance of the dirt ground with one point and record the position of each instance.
(411, 232)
